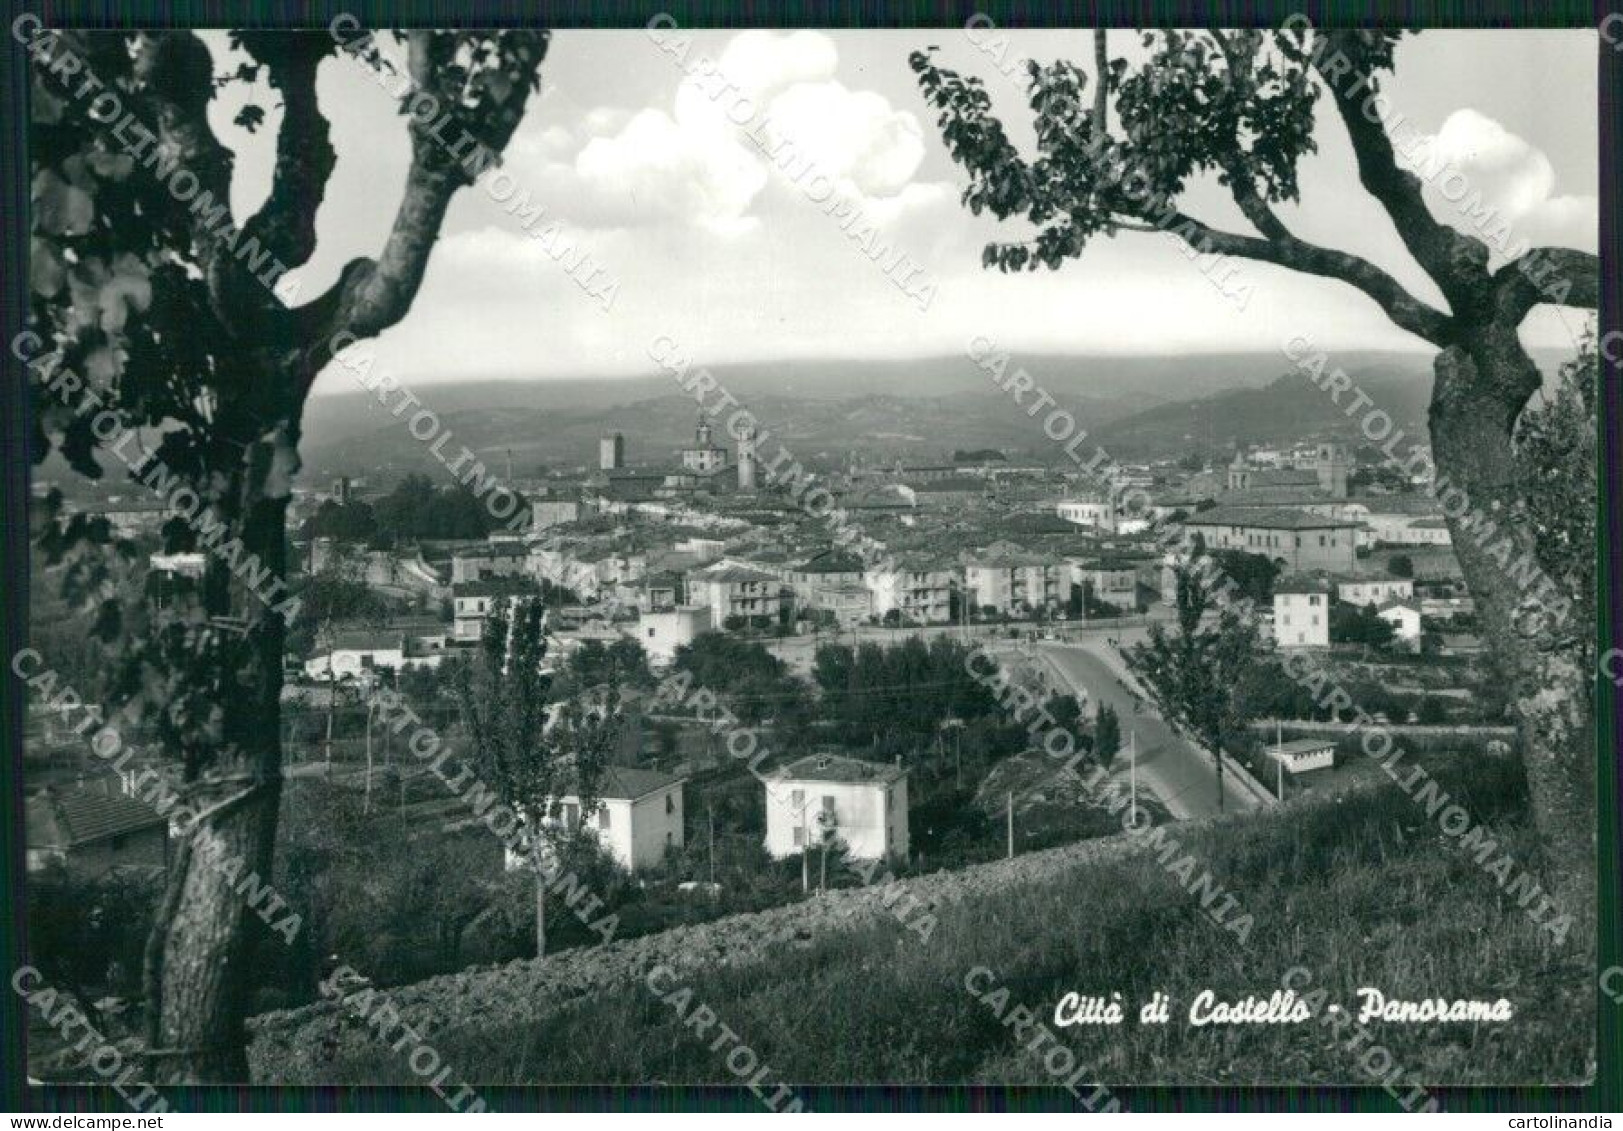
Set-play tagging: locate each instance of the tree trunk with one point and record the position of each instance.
(199, 961)
(537, 857)
(1480, 390)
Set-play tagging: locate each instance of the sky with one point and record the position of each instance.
(704, 243)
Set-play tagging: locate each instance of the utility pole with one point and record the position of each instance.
(1011, 825)
(1279, 759)
(710, 814)
(805, 860)
(1132, 771)
(371, 706)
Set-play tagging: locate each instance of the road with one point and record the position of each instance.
(1178, 772)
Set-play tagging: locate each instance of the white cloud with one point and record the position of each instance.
(850, 134)
(695, 162)
(1513, 177)
(659, 168)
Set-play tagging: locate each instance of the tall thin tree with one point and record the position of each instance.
(533, 753)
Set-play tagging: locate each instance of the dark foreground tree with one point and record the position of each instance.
(163, 338)
(1239, 106)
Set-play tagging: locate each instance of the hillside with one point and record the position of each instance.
(1289, 409)
(1358, 889)
(913, 409)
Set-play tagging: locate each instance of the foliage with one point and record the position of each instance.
(753, 683)
(1195, 672)
(86, 931)
(1556, 461)
(1255, 574)
(900, 694)
(417, 511)
(1354, 624)
(532, 751)
(1400, 565)
(1106, 735)
(622, 663)
(1238, 104)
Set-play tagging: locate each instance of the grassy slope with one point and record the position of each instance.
(1359, 890)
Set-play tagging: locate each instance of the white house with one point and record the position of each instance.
(737, 591)
(1304, 754)
(358, 653)
(1010, 580)
(824, 797)
(1373, 589)
(472, 601)
(639, 816)
(661, 632)
(1404, 616)
(498, 559)
(917, 588)
(1098, 514)
(1302, 613)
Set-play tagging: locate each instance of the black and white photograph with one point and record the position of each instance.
(663, 564)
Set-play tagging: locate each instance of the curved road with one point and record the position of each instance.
(1179, 772)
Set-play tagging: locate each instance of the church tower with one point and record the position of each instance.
(1239, 473)
(1332, 468)
(746, 460)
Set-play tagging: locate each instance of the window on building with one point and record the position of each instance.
(571, 814)
(670, 803)
(603, 817)
(828, 803)
(797, 798)
(799, 837)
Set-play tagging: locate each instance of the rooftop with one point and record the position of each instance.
(1300, 746)
(79, 816)
(733, 574)
(1304, 583)
(838, 768)
(1266, 518)
(627, 783)
(368, 640)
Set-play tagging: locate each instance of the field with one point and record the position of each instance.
(1359, 890)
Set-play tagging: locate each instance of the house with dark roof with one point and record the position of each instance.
(638, 817)
(1296, 540)
(1302, 612)
(823, 798)
(733, 590)
(94, 829)
(825, 570)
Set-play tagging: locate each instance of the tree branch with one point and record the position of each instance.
(1560, 275)
(1285, 250)
(1101, 82)
(1456, 262)
(286, 223)
(371, 296)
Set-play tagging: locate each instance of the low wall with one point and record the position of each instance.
(288, 1046)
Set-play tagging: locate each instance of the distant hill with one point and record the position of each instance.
(912, 409)
(1289, 408)
(921, 409)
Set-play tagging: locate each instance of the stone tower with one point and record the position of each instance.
(1239, 473)
(1332, 468)
(611, 452)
